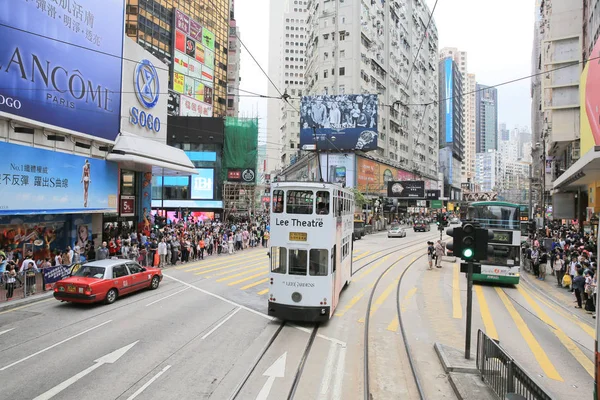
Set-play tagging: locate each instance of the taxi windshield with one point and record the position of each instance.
(90, 271)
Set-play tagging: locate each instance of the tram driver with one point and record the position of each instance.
(322, 208)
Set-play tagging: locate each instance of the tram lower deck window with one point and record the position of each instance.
(319, 262)
(278, 260)
(298, 261)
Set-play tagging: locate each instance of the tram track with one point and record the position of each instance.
(366, 376)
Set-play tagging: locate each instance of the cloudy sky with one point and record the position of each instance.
(497, 36)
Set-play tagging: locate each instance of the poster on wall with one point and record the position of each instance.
(37, 181)
(338, 168)
(73, 83)
(193, 70)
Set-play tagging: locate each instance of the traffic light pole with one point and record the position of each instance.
(469, 309)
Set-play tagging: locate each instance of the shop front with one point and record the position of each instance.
(50, 200)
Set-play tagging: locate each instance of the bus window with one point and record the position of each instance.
(277, 201)
(298, 262)
(300, 202)
(318, 262)
(323, 203)
(278, 260)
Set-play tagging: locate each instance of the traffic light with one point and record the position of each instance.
(468, 242)
(439, 219)
(456, 244)
(444, 220)
(482, 249)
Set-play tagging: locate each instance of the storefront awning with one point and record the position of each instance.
(139, 153)
(585, 171)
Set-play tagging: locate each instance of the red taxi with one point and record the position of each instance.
(105, 280)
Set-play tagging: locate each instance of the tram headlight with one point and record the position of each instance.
(296, 297)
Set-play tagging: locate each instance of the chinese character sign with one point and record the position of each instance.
(34, 181)
(60, 63)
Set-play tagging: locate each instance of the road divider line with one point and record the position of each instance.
(248, 278)
(486, 316)
(575, 351)
(381, 299)
(394, 325)
(456, 307)
(54, 345)
(6, 331)
(327, 372)
(353, 301)
(166, 297)
(150, 382)
(260, 314)
(240, 274)
(255, 284)
(363, 255)
(339, 374)
(265, 291)
(220, 324)
(372, 268)
(539, 353)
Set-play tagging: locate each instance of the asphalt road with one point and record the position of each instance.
(198, 335)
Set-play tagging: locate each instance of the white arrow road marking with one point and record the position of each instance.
(110, 358)
(6, 331)
(53, 346)
(276, 370)
(145, 386)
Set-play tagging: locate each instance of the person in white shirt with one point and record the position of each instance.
(29, 268)
(162, 252)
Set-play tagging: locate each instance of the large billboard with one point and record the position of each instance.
(339, 122)
(193, 66)
(372, 177)
(590, 102)
(36, 181)
(338, 168)
(449, 101)
(60, 63)
(202, 184)
(406, 189)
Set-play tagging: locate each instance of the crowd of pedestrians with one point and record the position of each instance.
(568, 255)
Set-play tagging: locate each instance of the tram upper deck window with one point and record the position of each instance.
(278, 201)
(318, 262)
(278, 260)
(300, 202)
(323, 203)
(298, 261)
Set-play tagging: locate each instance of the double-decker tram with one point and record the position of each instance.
(311, 249)
(504, 265)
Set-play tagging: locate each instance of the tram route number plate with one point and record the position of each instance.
(298, 236)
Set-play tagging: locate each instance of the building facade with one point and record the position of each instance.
(151, 24)
(357, 47)
(487, 118)
(451, 136)
(233, 66)
(488, 170)
(287, 62)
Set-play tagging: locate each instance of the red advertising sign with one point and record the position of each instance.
(234, 174)
(266, 199)
(127, 206)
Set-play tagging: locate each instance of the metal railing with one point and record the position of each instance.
(503, 374)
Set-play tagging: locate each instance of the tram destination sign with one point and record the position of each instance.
(298, 236)
(315, 223)
(406, 189)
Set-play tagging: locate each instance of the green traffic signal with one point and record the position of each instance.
(467, 253)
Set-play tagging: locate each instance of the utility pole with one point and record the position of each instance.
(317, 153)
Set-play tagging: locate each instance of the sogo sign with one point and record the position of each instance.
(147, 90)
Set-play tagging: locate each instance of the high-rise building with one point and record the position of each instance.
(503, 133)
(487, 170)
(468, 116)
(451, 137)
(150, 23)
(382, 48)
(487, 118)
(287, 44)
(233, 65)
(591, 26)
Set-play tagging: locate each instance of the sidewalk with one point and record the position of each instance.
(559, 295)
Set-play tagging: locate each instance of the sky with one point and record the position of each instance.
(497, 36)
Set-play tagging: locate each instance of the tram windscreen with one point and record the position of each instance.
(298, 261)
(506, 256)
(496, 216)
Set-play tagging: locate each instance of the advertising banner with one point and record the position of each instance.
(338, 168)
(73, 83)
(127, 206)
(590, 102)
(193, 66)
(37, 181)
(55, 274)
(448, 93)
(406, 189)
(342, 122)
(202, 184)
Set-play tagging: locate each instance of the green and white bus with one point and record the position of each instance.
(504, 219)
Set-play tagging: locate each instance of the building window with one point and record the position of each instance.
(342, 70)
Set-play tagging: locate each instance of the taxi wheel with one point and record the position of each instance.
(111, 296)
(154, 283)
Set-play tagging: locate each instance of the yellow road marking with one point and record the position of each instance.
(585, 327)
(230, 262)
(226, 267)
(486, 316)
(353, 301)
(263, 292)
(379, 301)
(371, 269)
(394, 325)
(248, 278)
(25, 306)
(363, 255)
(456, 308)
(240, 274)
(575, 351)
(255, 284)
(539, 354)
